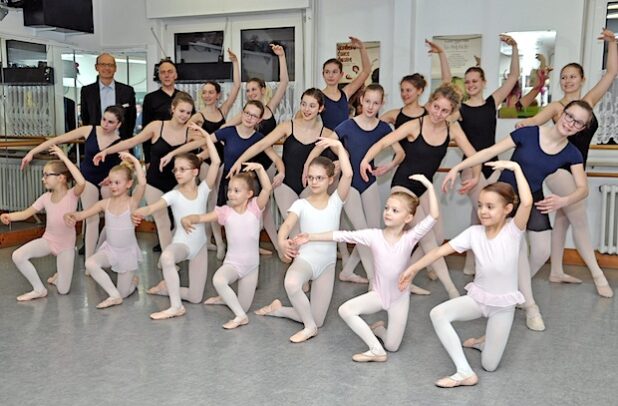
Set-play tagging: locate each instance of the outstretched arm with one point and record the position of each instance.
(146, 134)
(362, 76)
(229, 102)
(187, 222)
(434, 207)
(8, 218)
(282, 130)
(284, 79)
(551, 110)
(71, 218)
(408, 275)
(500, 93)
(81, 132)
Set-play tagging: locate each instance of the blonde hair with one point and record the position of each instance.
(449, 92)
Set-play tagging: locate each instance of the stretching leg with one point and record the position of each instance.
(350, 312)
(21, 257)
(392, 335)
(95, 265)
(161, 218)
(296, 276)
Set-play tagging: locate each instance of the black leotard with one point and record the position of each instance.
(479, 125)
(96, 174)
(422, 158)
(210, 127)
(294, 156)
(403, 118)
(162, 180)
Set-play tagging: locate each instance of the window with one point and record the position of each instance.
(257, 58)
(199, 47)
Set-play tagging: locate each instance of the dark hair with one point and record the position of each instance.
(214, 84)
(60, 168)
(573, 65)
(374, 87)
(581, 104)
(410, 201)
(416, 79)
(325, 163)
(448, 91)
(168, 61)
(255, 103)
(506, 193)
(182, 97)
(116, 110)
(333, 61)
(250, 180)
(316, 94)
(477, 69)
(193, 160)
(259, 81)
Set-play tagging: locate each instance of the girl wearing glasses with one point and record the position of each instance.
(188, 198)
(315, 261)
(59, 238)
(539, 151)
(562, 182)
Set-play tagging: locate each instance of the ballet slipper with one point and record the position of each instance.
(418, 290)
(603, 288)
(306, 287)
(369, 356)
(168, 313)
(31, 295)
(432, 275)
(563, 278)
(352, 277)
(476, 343)
(236, 322)
(457, 380)
(266, 310)
(265, 252)
(158, 288)
(215, 300)
(534, 320)
(53, 279)
(110, 301)
(303, 335)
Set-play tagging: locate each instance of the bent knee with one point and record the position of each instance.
(490, 366)
(345, 311)
(292, 285)
(91, 264)
(167, 259)
(392, 347)
(437, 314)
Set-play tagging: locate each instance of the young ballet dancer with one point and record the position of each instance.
(300, 136)
(425, 144)
(391, 249)
(241, 218)
(119, 250)
(58, 239)
(187, 198)
(562, 182)
(314, 261)
(163, 136)
(539, 151)
(362, 207)
(96, 139)
(493, 293)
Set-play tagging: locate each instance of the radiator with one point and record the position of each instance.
(609, 220)
(19, 189)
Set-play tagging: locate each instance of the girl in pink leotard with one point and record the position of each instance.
(241, 218)
(58, 239)
(391, 249)
(120, 250)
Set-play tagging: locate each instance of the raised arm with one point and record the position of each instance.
(596, 93)
(525, 196)
(282, 130)
(140, 188)
(81, 132)
(445, 69)
(552, 202)
(284, 79)
(215, 160)
(408, 275)
(346, 168)
(500, 93)
(541, 75)
(434, 207)
(362, 76)
(229, 102)
(80, 181)
(262, 175)
(146, 134)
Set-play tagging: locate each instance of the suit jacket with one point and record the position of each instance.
(91, 106)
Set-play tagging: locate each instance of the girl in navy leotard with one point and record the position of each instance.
(164, 137)
(96, 139)
(539, 151)
(562, 182)
(427, 140)
(300, 136)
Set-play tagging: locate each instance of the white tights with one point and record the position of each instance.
(126, 284)
(89, 197)
(310, 313)
(40, 248)
(224, 277)
(198, 270)
(563, 184)
(161, 218)
(465, 308)
(370, 303)
(285, 196)
(528, 261)
(213, 229)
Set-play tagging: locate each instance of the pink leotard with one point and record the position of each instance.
(389, 261)
(59, 236)
(495, 282)
(242, 232)
(120, 246)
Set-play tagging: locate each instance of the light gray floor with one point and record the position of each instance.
(63, 351)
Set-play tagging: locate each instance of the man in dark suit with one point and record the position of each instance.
(105, 92)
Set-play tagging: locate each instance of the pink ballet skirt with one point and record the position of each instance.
(121, 247)
(492, 299)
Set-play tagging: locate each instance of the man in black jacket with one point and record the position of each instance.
(96, 97)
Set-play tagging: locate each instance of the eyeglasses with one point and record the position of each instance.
(317, 179)
(252, 116)
(181, 170)
(48, 174)
(570, 119)
(106, 65)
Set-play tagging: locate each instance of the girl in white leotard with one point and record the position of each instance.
(187, 198)
(119, 250)
(314, 261)
(242, 220)
(494, 292)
